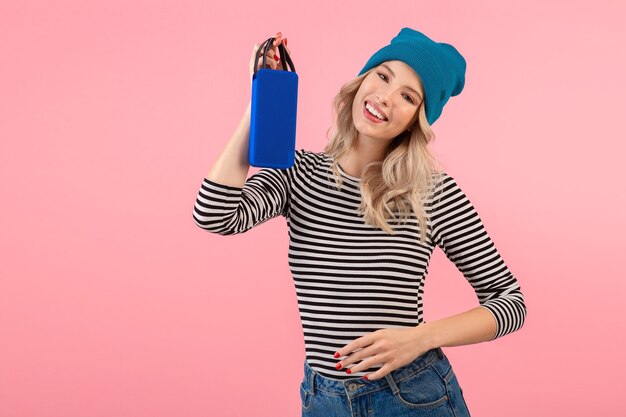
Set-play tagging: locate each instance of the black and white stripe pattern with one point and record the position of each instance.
(351, 278)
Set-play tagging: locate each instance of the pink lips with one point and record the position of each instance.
(378, 109)
(370, 116)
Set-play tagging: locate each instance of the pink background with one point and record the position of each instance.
(114, 303)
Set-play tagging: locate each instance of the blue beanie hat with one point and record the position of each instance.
(439, 65)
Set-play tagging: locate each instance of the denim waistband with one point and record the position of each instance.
(355, 385)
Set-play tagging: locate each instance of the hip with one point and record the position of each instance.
(426, 387)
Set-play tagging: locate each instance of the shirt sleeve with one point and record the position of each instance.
(228, 210)
(458, 230)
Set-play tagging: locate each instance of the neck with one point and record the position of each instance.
(364, 152)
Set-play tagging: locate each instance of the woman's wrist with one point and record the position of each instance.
(429, 335)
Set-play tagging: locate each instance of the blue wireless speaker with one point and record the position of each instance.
(273, 112)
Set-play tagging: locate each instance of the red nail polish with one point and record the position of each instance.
(348, 371)
(365, 377)
(338, 366)
(336, 354)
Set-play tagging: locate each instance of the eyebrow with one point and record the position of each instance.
(393, 74)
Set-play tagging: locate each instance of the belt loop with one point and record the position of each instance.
(440, 353)
(312, 381)
(392, 383)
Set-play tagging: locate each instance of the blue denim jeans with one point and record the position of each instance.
(426, 387)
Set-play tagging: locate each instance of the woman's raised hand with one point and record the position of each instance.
(273, 60)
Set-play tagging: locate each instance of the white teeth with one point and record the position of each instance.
(373, 111)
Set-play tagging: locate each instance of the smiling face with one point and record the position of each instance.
(395, 91)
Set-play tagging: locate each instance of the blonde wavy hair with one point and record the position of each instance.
(405, 177)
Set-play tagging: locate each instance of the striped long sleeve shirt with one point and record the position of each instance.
(352, 278)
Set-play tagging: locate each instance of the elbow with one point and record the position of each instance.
(212, 225)
(509, 312)
(518, 307)
(230, 224)
(521, 305)
(516, 313)
(204, 225)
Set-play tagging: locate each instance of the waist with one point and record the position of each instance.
(340, 386)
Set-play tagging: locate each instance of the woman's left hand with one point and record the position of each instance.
(392, 348)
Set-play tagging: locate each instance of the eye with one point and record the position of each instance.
(410, 99)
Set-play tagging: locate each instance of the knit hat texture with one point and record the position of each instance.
(439, 65)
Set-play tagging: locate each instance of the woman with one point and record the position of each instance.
(364, 217)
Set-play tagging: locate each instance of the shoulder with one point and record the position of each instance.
(310, 154)
(441, 180)
(443, 187)
(309, 158)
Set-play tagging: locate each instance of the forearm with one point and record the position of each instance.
(472, 326)
(231, 167)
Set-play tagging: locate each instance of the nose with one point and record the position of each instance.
(383, 98)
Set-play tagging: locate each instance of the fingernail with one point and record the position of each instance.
(285, 41)
(336, 354)
(365, 377)
(338, 366)
(348, 371)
